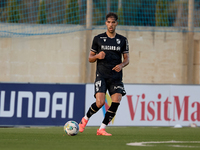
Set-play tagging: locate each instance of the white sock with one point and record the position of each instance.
(86, 117)
(103, 126)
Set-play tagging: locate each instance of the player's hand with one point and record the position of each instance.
(117, 68)
(101, 55)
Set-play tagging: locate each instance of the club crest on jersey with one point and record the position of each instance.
(118, 41)
(104, 38)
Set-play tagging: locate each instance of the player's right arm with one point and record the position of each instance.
(94, 53)
(94, 56)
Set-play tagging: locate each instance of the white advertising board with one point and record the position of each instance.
(151, 105)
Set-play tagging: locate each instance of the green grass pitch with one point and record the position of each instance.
(54, 138)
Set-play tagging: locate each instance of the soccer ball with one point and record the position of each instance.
(71, 128)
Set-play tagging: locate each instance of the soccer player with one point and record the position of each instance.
(107, 50)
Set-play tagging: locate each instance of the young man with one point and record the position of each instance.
(107, 49)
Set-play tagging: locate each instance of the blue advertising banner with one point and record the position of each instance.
(41, 104)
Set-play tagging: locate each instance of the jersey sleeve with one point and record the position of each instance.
(125, 48)
(94, 47)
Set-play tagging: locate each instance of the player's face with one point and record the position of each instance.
(111, 24)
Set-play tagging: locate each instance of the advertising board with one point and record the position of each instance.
(151, 105)
(41, 104)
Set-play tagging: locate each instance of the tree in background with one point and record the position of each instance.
(72, 12)
(97, 15)
(100, 11)
(103, 7)
(42, 17)
(120, 13)
(181, 13)
(13, 12)
(162, 13)
(131, 11)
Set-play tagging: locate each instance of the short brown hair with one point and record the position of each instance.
(111, 14)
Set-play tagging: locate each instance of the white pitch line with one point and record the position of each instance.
(152, 143)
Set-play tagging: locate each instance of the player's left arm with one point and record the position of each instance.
(125, 62)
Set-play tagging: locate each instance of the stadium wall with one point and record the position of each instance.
(155, 57)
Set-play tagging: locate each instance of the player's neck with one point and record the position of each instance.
(111, 35)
